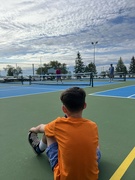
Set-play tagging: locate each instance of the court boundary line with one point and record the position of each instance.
(24, 86)
(110, 89)
(13, 89)
(112, 96)
(28, 94)
(129, 97)
(118, 174)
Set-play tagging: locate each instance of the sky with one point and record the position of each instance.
(40, 31)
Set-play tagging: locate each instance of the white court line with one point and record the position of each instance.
(23, 87)
(30, 94)
(10, 89)
(130, 97)
(112, 96)
(110, 90)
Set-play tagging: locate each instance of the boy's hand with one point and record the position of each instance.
(33, 129)
(38, 129)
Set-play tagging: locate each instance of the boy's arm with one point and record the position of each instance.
(38, 129)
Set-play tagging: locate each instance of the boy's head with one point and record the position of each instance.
(73, 99)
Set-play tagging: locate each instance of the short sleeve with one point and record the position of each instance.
(50, 129)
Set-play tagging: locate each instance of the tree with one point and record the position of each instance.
(55, 64)
(11, 71)
(79, 65)
(91, 68)
(120, 67)
(132, 65)
(17, 71)
(63, 68)
(43, 69)
(52, 64)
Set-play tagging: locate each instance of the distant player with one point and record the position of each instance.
(111, 72)
(22, 80)
(58, 73)
(30, 80)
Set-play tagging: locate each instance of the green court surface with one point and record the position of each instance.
(115, 118)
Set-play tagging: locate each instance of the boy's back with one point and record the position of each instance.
(77, 140)
(71, 143)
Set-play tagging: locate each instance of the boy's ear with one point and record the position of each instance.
(85, 105)
(64, 109)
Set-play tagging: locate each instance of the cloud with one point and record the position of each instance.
(57, 30)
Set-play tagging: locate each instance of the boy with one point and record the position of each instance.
(71, 142)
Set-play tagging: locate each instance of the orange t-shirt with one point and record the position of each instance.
(77, 140)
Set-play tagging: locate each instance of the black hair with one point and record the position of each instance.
(74, 99)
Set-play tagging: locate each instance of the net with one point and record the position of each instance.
(117, 76)
(87, 79)
(76, 79)
(14, 80)
(5, 79)
(63, 79)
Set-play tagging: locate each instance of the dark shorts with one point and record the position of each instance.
(111, 75)
(52, 154)
(58, 76)
(98, 155)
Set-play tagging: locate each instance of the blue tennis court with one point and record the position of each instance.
(122, 92)
(14, 90)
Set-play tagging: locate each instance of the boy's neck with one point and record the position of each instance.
(75, 115)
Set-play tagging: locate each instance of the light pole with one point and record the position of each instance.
(33, 69)
(94, 44)
(41, 66)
